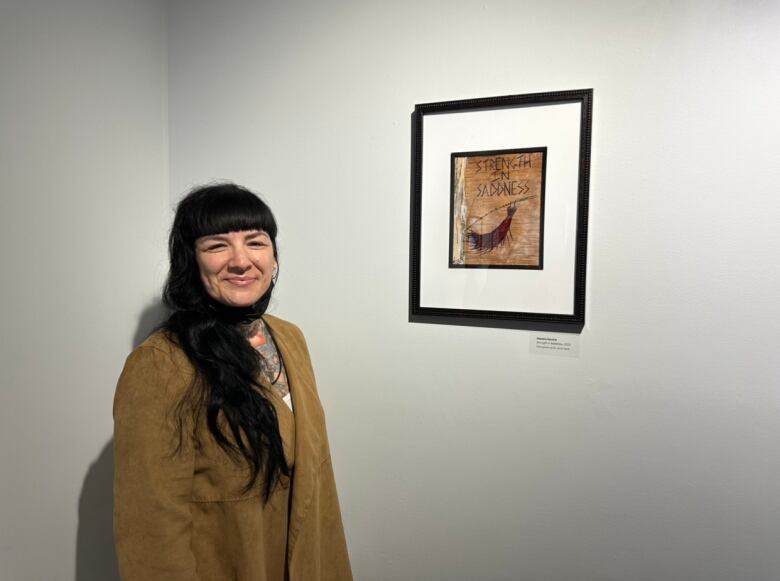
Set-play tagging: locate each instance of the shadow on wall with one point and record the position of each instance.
(152, 316)
(95, 556)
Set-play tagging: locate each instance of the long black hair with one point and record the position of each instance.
(239, 417)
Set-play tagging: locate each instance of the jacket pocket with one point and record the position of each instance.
(218, 477)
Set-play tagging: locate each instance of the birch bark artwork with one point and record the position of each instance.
(498, 209)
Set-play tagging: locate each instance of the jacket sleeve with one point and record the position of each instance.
(152, 479)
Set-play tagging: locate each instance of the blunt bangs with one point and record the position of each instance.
(225, 208)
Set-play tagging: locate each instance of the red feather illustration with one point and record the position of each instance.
(490, 240)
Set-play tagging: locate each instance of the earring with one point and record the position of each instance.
(275, 275)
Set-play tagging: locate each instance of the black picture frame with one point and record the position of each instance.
(568, 281)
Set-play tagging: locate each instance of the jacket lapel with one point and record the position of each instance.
(311, 447)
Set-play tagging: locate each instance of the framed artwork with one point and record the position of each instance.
(496, 208)
(499, 211)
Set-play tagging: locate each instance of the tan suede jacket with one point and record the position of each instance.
(184, 516)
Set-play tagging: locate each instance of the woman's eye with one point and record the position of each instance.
(214, 247)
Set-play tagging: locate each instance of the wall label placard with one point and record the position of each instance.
(554, 344)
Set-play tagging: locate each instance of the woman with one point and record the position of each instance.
(222, 464)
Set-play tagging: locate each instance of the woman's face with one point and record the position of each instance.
(236, 268)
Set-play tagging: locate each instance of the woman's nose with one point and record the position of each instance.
(239, 259)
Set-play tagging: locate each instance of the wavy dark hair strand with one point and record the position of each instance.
(240, 418)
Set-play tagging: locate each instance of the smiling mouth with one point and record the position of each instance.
(240, 281)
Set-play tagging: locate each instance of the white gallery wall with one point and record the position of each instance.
(655, 455)
(83, 214)
(460, 456)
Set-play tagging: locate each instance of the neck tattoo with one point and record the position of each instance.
(273, 367)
